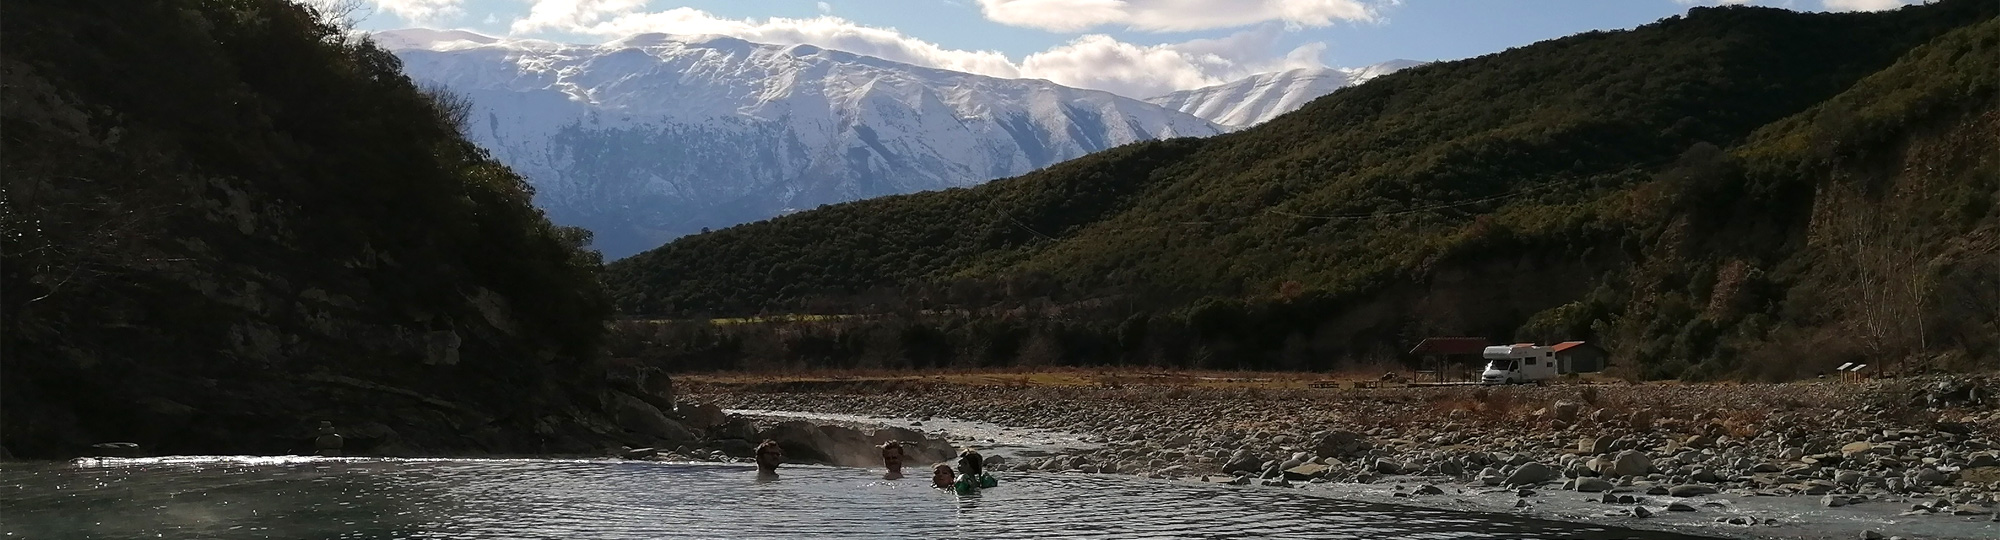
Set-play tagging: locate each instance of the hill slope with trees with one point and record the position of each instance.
(1670, 191)
(226, 221)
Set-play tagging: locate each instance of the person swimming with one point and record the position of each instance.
(769, 455)
(892, 459)
(942, 477)
(970, 463)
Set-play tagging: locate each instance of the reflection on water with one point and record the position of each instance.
(453, 499)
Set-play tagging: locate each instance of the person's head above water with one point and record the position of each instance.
(769, 454)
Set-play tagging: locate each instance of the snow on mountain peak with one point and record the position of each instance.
(654, 136)
(1258, 98)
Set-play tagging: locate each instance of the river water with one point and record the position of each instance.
(310, 498)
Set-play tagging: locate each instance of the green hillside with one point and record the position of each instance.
(1665, 191)
(228, 220)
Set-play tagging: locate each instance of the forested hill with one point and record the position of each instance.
(1664, 191)
(228, 220)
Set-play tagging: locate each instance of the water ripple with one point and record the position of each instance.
(239, 498)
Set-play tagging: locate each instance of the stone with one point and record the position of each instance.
(117, 449)
(1594, 446)
(1641, 419)
(1679, 507)
(1566, 411)
(1491, 476)
(1428, 489)
(1386, 466)
(1242, 461)
(1690, 490)
(1856, 448)
(1306, 471)
(1833, 501)
(638, 416)
(738, 448)
(1871, 535)
(1657, 490)
(702, 415)
(1531, 473)
(1932, 477)
(1641, 512)
(1341, 444)
(329, 442)
(1592, 485)
(1631, 463)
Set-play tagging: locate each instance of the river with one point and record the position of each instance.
(294, 497)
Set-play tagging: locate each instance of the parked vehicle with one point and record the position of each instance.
(1520, 363)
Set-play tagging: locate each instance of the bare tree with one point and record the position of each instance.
(1878, 273)
(344, 15)
(455, 109)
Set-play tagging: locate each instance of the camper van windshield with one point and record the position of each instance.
(1501, 365)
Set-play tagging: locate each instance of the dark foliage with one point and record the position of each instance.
(206, 201)
(1612, 186)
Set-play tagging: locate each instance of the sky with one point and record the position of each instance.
(1138, 48)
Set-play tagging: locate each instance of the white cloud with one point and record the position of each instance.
(1174, 15)
(1091, 61)
(1865, 5)
(420, 10)
(825, 7)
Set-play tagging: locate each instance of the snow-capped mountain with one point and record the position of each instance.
(654, 136)
(1252, 100)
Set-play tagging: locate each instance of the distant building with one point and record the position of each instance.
(1579, 357)
(1437, 355)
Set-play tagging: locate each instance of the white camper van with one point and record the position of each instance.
(1518, 364)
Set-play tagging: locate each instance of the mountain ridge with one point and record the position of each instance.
(1555, 190)
(653, 136)
(1258, 98)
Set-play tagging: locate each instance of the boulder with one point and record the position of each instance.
(1592, 485)
(1641, 512)
(1932, 477)
(1679, 507)
(1387, 466)
(702, 415)
(1641, 419)
(1595, 446)
(1856, 448)
(737, 448)
(1428, 489)
(1306, 472)
(1690, 490)
(1566, 411)
(117, 449)
(1242, 461)
(802, 441)
(1340, 444)
(1491, 476)
(1630, 463)
(1531, 473)
(638, 416)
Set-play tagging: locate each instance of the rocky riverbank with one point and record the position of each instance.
(1925, 449)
